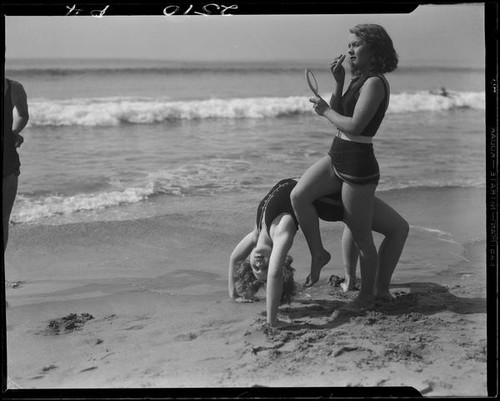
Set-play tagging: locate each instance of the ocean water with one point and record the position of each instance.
(121, 139)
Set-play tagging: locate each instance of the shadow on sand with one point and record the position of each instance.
(415, 298)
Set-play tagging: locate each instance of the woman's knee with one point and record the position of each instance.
(398, 232)
(363, 238)
(298, 197)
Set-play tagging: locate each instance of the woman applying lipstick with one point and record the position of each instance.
(350, 166)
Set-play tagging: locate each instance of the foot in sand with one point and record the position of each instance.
(243, 300)
(383, 297)
(348, 285)
(316, 266)
(345, 284)
(359, 305)
(279, 324)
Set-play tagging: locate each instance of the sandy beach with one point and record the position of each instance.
(143, 304)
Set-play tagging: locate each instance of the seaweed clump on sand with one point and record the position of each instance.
(67, 324)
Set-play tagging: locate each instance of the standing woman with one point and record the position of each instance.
(350, 167)
(15, 118)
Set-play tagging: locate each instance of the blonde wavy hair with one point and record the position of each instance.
(247, 284)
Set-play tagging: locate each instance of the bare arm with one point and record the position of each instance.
(239, 254)
(338, 72)
(282, 242)
(371, 94)
(21, 113)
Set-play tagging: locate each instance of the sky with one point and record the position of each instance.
(449, 33)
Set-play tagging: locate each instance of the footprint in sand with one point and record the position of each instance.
(88, 369)
(136, 327)
(263, 338)
(206, 330)
(137, 323)
(186, 336)
(44, 371)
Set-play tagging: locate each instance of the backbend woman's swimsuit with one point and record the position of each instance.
(11, 161)
(355, 162)
(277, 202)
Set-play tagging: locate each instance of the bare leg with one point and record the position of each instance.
(395, 229)
(319, 180)
(350, 253)
(9, 192)
(358, 212)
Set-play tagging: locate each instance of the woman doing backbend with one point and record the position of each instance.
(265, 249)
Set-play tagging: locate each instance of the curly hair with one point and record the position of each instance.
(386, 58)
(247, 284)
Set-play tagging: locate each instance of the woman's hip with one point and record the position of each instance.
(355, 164)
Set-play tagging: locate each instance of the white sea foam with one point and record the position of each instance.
(115, 111)
(441, 235)
(429, 182)
(425, 101)
(214, 176)
(29, 209)
(187, 180)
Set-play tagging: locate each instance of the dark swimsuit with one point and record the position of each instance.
(11, 161)
(355, 162)
(277, 201)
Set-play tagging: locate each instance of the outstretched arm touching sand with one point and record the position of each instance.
(239, 254)
(283, 241)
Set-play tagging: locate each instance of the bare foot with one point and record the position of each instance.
(316, 267)
(243, 300)
(348, 286)
(384, 297)
(279, 324)
(359, 305)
